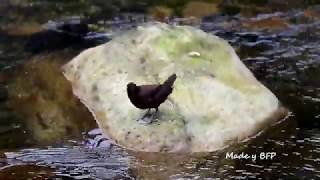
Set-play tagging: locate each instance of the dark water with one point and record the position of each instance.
(46, 133)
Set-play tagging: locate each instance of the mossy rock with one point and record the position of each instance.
(216, 100)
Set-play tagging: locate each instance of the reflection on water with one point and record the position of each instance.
(13, 172)
(77, 162)
(281, 48)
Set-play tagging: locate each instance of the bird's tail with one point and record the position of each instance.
(169, 82)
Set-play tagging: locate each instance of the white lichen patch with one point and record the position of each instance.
(216, 99)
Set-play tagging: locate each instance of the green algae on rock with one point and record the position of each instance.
(216, 100)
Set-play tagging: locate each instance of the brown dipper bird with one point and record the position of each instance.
(150, 96)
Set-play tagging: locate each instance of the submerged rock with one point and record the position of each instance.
(42, 101)
(216, 100)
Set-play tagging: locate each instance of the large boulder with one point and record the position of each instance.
(216, 100)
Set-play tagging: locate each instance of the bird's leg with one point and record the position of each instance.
(145, 119)
(146, 114)
(153, 115)
(148, 117)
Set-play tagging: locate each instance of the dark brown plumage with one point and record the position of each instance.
(150, 96)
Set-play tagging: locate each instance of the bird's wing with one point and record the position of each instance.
(149, 91)
(163, 93)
